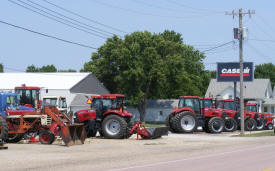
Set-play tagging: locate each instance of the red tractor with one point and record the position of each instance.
(253, 121)
(230, 125)
(109, 117)
(268, 117)
(191, 113)
(29, 96)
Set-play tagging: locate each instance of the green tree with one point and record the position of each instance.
(265, 71)
(46, 68)
(69, 70)
(1, 68)
(144, 66)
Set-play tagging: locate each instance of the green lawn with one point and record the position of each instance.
(257, 134)
(154, 125)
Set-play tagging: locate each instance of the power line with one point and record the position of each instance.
(72, 26)
(263, 40)
(46, 35)
(258, 51)
(262, 29)
(160, 7)
(145, 13)
(99, 30)
(85, 18)
(193, 8)
(224, 44)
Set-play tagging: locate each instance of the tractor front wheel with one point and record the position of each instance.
(230, 125)
(250, 124)
(260, 124)
(3, 129)
(184, 122)
(216, 125)
(46, 137)
(114, 127)
(269, 126)
(14, 138)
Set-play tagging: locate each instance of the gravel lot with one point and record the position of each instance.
(105, 154)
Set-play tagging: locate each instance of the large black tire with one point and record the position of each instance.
(90, 128)
(114, 127)
(260, 124)
(14, 138)
(230, 125)
(46, 137)
(250, 124)
(130, 125)
(269, 126)
(168, 122)
(3, 129)
(216, 125)
(184, 122)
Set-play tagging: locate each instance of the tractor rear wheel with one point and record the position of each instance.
(130, 125)
(46, 137)
(3, 129)
(90, 128)
(184, 122)
(114, 127)
(230, 125)
(216, 125)
(260, 124)
(269, 126)
(250, 124)
(168, 122)
(14, 138)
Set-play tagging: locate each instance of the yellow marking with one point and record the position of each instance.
(269, 169)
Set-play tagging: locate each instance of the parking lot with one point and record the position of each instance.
(107, 154)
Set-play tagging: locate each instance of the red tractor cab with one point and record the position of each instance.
(28, 96)
(190, 114)
(268, 117)
(107, 115)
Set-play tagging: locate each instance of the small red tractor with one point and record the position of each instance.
(268, 117)
(191, 113)
(109, 117)
(253, 120)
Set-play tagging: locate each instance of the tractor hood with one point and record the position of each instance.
(177, 110)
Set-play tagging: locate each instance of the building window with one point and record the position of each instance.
(265, 109)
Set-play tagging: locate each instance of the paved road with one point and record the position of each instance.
(258, 158)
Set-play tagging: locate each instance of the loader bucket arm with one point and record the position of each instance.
(70, 133)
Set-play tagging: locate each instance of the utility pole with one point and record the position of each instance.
(240, 37)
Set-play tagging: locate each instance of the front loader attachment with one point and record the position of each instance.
(61, 125)
(73, 134)
(149, 133)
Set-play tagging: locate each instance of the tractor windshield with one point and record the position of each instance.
(252, 108)
(27, 96)
(229, 105)
(49, 102)
(12, 100)
(207, 103)
(108, 103)
(192, 103)
(62, 103)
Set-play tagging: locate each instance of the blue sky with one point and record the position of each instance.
(202, 24)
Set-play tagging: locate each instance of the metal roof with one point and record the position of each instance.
(254, 90)
(44, 80)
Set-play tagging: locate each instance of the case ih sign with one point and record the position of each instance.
(230, 71)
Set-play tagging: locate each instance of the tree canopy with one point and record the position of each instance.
(149, 66)
(265, 71)
(46, 68)
(1, 68)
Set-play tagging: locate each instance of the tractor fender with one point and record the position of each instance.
(224, 115)
(124, 113)
(179, 110)
(85, 114)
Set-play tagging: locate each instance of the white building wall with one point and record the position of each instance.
(228, 93)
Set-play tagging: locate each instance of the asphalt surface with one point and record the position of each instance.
(259, 158)
(187, 152)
